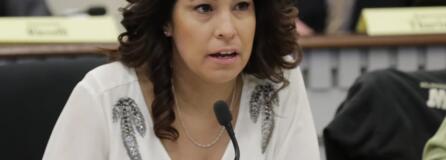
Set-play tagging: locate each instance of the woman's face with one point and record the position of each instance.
(213, 39)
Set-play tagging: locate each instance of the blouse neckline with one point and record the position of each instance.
(243, 111)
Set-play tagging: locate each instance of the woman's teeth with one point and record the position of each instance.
(226, 52)
(223, 54)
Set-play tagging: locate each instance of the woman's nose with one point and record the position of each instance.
(225, 27)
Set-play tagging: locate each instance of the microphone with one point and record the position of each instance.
(90, 11)
(224, 117)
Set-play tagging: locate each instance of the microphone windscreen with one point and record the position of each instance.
(222, 113)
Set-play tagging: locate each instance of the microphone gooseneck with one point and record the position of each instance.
(224, 117)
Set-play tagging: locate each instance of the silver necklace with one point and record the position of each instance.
(193, 140)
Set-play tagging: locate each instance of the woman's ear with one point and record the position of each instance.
(167, 30)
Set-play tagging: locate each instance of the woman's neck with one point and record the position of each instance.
(197, 96)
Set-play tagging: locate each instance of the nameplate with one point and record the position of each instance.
(101, 29)
(402, 21)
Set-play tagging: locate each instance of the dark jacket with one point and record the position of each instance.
(386, 117)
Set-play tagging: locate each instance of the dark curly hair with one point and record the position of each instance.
(144, 43)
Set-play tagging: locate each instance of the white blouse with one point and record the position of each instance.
(106, 118)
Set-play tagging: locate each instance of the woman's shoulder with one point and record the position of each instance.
(295, 85)
(108, 76)
(287, 95)
(293, 76)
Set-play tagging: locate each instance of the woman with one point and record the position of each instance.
(175, 60)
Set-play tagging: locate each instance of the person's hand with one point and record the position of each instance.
(303, 29)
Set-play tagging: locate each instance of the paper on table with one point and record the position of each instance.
(101, 29)
(397, 21)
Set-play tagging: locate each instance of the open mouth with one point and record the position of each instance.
(224, 54)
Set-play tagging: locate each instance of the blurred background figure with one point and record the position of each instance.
(24, 8)
(338, 16)
(387, 115)
(312, 16)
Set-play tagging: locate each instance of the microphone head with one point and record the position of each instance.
(222, 113)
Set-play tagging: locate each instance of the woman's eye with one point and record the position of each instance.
(204, 8)
(242, 6)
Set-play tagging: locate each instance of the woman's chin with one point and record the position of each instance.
(221, 78)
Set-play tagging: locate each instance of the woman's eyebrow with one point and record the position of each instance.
(205, 0)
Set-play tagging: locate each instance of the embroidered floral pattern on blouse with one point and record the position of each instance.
(131, 118)
(261, 104)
